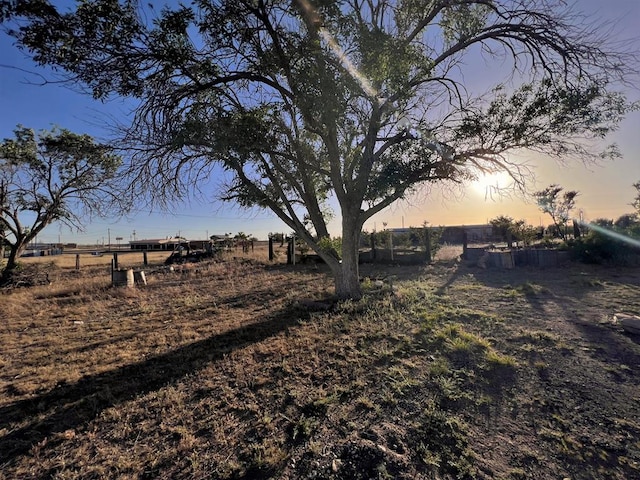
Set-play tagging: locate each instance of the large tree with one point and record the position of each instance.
(361, 101)
(46, 177)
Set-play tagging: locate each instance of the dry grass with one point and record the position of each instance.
(236, 369)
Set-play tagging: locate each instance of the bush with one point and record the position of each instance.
(597, 247)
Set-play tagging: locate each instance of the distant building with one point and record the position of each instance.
(199, 244)
(222, 241)
(475, 234)
(42, 250)
(158, 244)
(219, 238)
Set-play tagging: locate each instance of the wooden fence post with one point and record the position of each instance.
(427, 244)
(271, 249)
(293, 248)
(115, 260)
(290, 251)
(373, 247)
(576, 230)
(465, 241)
(77, 261)
(145, 260)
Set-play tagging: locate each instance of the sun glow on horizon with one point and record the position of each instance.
(491, 185)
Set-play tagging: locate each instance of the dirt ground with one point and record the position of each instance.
(241, 369)
(575, 413)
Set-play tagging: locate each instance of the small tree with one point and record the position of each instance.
(419, 236)
(558, 205)
(52, 176)
(626, 221)
(636, 201)
(524, 232)
(603, 222)
(503, 227)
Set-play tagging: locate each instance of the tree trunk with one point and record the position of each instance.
(346, 274)
(12, 263)
(15, 250)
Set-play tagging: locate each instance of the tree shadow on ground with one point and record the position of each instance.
(455, 271)
(612, 344)
(71, 406)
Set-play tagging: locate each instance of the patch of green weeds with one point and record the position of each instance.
(303, 428)
(434, 315)
(454, 391)
(399, 380)
(542, 368)
(366, 403)
(461, 346)
(265, 457)
(440, 366)
(564, 347)
(428, 319)
(565, 443)
(496, 359)
(415, 293)
(473, 359)
(517, 474)
(527, 289)
(476, 317)
(509, 293)
(320, 406)
(441, 443)
(538, 338)
(484, 402)
(441, 313)
(369, 304)
(531, 350)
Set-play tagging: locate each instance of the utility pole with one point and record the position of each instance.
(109, 234)
(134, 235)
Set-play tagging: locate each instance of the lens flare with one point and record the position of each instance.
(615, 235)
(339, 52)
(348, 64)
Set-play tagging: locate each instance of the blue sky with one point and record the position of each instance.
(605, 190)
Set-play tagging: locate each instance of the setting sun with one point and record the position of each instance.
(489, 185)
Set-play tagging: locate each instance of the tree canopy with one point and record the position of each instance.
(636, 201)
(51, 176)
(307, 100)
(558, 204)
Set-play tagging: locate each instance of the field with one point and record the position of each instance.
(244, 369)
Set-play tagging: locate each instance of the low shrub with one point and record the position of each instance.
(599, 248)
